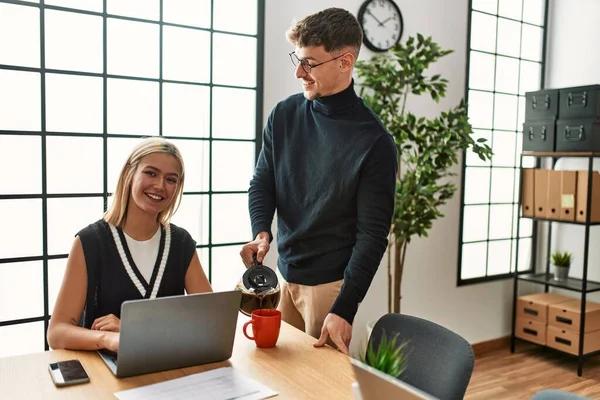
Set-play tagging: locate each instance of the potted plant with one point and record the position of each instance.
(562, 263)
(388, 357)
(427, 147)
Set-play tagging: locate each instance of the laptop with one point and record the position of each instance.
(375, 385)
(174, 332)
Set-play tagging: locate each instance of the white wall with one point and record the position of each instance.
(572, 62)
(478, 312)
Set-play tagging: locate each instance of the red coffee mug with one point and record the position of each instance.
(265, 327)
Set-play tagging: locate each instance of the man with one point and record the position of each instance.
(328, 166)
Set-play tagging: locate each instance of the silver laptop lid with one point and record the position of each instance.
(175, 332)
(376, 385)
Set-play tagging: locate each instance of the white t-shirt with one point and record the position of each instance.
(144, 253)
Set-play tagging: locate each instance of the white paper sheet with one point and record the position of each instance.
(219, 384)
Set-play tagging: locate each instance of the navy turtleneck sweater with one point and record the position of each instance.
(329, 168)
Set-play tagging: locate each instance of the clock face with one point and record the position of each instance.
(382, 24)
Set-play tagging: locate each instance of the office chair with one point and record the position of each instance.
(439, 361)
(551, 394)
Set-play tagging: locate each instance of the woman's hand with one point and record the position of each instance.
(107, 323)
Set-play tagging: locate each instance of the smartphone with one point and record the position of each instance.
(65, 373)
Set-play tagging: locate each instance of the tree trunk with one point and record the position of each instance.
(399, 257)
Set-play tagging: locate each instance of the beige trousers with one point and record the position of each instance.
(306, 307)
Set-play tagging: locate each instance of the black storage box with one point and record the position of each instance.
(581, 102)
(539, 135)
(578, 135)
(541, 104)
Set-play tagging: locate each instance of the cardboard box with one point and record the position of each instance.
(568, 192)
(527, 192)
(581, 198)
(535, 306)
(540, 192)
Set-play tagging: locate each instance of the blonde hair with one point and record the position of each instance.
(117, 212)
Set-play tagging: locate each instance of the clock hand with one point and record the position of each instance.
(373, 15)
(384, 21)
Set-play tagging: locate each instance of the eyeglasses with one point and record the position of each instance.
(305, 65)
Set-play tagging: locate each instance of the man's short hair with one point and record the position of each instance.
(332, 28)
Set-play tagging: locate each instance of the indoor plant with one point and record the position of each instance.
(427, 147)
(562, 263)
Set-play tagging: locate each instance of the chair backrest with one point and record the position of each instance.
(439, 361)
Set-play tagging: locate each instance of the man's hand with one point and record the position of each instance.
(107, 323)
(339, 330)
(110, 341)
(259, 246)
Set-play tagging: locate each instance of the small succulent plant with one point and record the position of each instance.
(388, 357)
(561, 259)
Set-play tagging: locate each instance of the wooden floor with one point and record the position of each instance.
(503, 375)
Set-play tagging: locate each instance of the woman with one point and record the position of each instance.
(132, 253)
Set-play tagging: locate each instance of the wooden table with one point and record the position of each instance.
(294, 369)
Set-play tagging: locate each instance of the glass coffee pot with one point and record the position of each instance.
(260, 288)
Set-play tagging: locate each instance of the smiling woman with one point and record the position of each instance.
(134, 252)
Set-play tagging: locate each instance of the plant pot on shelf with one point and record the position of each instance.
(561, 273)
(562, 263)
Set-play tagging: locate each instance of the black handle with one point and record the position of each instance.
(530, 331)
(530, 311)
(563, 341)
(564, 320)
(574, 133)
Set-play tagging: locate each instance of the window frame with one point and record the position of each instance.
(513, 237)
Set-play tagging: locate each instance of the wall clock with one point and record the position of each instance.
(382, 24)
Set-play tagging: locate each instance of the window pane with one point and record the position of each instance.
(74, 103)
(481, 71)
(56, 272)
(192, 215)
(528, 162)
(20, 101)
(195, 155)
(489, 6)
(19, 35)
(24, 238)
(499, 260)
(187, 12)
(474, 260)
(243, 20)
(533, 11)
(483, 32)
(243, 101)
(531, 48)
(21, 339)
(145, 9)
(74, 52)
(66, 217)
(21, 284)
(228, 52)
(477, 185)
(473, 159)
(186, 54)
(74, 164)
(503, 185)
(480, 109)
(507, 75)
(501, 222)
(475, 225)
(524, 255)
(132, 107)
(90, 5)
(203, 255)
(529, 79)
(509, 37)
(231, 220)
(521, 115)
(23, 156)
(118, 150)
(133, 48)
(232, 166)
(227, 267)
(504, 148)
(186, 110)
(511, 8)
(505, 112)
